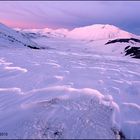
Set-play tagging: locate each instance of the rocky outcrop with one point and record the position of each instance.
(132, 51)
(123, 40)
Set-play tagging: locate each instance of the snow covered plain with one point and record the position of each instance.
(66, 91)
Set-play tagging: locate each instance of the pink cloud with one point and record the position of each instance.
(19, 24)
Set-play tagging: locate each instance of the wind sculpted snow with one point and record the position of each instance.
(68, 90)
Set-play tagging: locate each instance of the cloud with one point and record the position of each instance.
(70, 14)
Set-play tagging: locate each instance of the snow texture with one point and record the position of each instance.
(67, 90)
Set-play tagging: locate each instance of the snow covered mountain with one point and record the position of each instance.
(93, 32)
(12, 38)
(108, 39)
(98, 37)
(99, 32)
(46, 32)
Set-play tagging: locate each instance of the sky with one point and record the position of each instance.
(71, 14)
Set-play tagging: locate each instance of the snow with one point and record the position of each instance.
(98, 32)
(94, 37)
(12, 38)
(47, 32)
(68, 90)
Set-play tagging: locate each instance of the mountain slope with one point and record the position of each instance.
(50, 94)
(12, 38)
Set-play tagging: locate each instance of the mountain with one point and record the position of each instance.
(108, 39)
(12, 38)
(99, 37)
(46, 32)
(90, 33)
(98, 32)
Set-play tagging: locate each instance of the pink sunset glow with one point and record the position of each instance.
(70, 14)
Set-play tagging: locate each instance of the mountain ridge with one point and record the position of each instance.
(13, 38)
(98, 37)
(90, 32)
